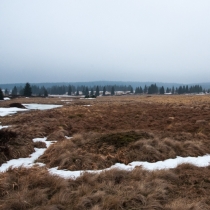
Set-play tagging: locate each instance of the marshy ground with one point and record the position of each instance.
(111, 130)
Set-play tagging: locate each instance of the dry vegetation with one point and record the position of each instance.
(113, 129)
(95, 151)
(185, 187)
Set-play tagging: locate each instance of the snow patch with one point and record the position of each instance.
(41, 106)
(6, 126)
(6, 98)
(29, 161)
(88, 98)
(14, 110)
(201, 161)
(67, 137)
(11, 110)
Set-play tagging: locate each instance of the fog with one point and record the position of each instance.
(115, 40)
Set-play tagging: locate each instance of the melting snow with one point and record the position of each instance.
(66, 100)
(13, 110)
(6, 98)
(29, 161)
(200, 161)
(87, 98)
(6, 126)
(41, 106)
(67, 137)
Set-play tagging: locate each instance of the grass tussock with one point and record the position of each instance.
(186, 187)
(93, 151)
(14, 144)
(39, 144)
(58, 135)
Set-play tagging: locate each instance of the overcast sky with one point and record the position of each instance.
(115, 40)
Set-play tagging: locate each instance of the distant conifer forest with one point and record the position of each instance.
(96, 90)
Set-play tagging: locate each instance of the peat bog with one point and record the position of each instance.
(112, 130)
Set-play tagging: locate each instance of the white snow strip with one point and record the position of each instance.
(88, 98)
(87, 105)
(10, 110)
(67, 137)
(6, 126)
(66, 100)
(29, 161)
(41, 106)
(201, 161)
(63, 96)
(6, 98)
(68, 174)
(14, 110)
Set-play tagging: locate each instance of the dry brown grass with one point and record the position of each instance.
(186, 187)
(113, 129)
(96, 151)
(117, 113)
(14, 144)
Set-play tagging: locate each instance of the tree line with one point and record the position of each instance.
(94, 91)
(35, 90)
(154, 89)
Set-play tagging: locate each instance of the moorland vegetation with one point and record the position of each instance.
(105, 131)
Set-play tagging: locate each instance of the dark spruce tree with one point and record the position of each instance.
(180, 90)
(77, 93)
(167, 90)
(86, 92)
(45, 93)
(69, 90)
(104, 91)
(27, 90)
(112, 91)
(97, 91)
(83, 90)
(162, 91)
(172, 90)
(91, 92)
(153, 89)
(137, 90)
(140, 90)
(1, 95)
(6, 92)
(14, 91)
(131, 89)
(145, 89)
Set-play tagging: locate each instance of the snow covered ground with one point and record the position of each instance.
(13, 110)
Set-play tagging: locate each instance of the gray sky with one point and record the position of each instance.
(118, 40)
